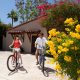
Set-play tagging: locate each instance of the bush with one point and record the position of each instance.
(66, 49)
(53, 16)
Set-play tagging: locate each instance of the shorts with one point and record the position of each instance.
(39, 51)
(17, 49)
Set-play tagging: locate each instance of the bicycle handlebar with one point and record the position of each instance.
(14, 48)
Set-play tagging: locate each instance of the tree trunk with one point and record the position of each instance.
(12, 22)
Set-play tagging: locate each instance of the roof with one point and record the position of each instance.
(29, 31)
(16, 32)
(32, 31)
(21, 24)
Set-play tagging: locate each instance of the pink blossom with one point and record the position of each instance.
(74, 4)
(38, 17)
(40, 6)
(52, 4)
(78, 2)
(49, 7)
(60, 19)
(45, 4)
(37, 22)
(42, 13)
(55, 4)
(45, 17)
(53, 15)
(58, 23)
(64, 7)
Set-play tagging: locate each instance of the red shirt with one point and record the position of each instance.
(16, 44)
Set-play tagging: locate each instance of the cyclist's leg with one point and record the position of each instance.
(13, 58)
(19, 56)
(36, 54)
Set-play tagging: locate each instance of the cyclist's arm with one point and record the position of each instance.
(11, 44)
(20, 42)
(35, 45)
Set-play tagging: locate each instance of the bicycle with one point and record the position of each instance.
(42, 59)
(13, 61)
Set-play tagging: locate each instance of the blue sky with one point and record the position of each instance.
(5, 7)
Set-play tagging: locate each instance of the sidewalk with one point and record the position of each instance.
(29, 71)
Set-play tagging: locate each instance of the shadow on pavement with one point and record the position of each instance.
(16, 71)
(11, 73)
(47, 71)
(22, 69)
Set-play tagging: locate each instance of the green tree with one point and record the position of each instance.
(9, 25)
(28, 10)
(13, 15)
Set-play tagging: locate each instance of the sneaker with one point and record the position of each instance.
(37, 63)
(21, 62)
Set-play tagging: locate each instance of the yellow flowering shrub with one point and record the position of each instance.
(65, 49)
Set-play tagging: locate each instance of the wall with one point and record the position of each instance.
(29, 26)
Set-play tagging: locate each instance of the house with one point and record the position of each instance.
(28, 31)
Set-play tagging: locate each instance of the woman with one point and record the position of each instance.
(16, 43)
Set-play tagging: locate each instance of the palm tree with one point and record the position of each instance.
(13, 15)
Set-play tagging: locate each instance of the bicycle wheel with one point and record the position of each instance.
(43, 63)
(11, 63)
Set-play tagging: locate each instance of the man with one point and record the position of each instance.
(40, 42)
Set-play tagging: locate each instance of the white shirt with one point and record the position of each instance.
(40, 42)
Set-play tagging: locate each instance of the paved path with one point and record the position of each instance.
(29, 71)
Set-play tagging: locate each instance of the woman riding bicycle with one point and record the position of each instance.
(16, 43)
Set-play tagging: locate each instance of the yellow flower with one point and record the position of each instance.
(48, 51)
(49, 43)
(68, 20)
(71, 42)
(71, 24)
(60, 47)
(58, 39)
(53, 38)
(64, 44)
(78, 71)
(56, 56)
(68, 79)
(72, 47)
(53, 52)
(67, 58)
(57, 67)
(78, 78)
(76, 48)
(57, 32)
(52, 59)
(59, 51)
(64, 35)
(57, 62)
(62, 76)
(65, 49)
(52, 62)
(67, 29)
(57, 73)
(47, 62)
(73, 34)
(52, 32)
(78, 28)
(77, 36)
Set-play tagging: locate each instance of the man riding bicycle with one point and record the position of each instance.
(39, 43)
